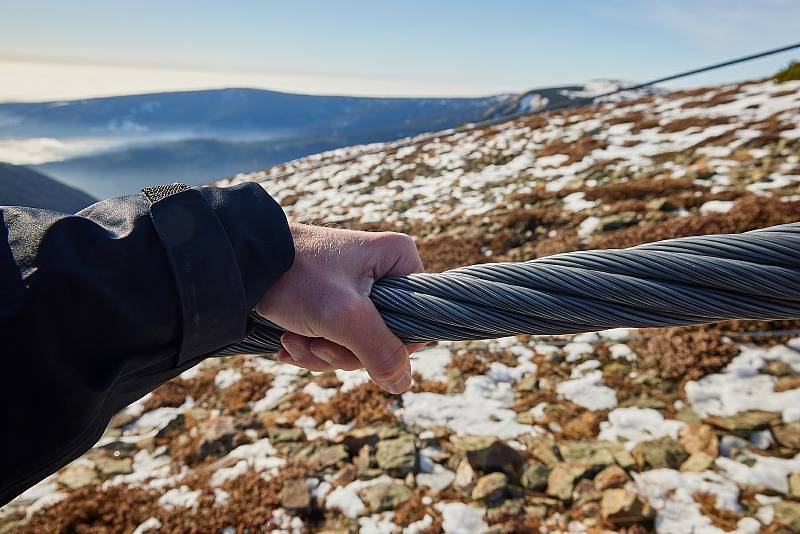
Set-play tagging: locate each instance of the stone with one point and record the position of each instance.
(525, 418)
(612, 476)
(528, 383)
(398, 456)
(491, 488)
(659, 453)
(542, 449)
(787, 513)
(743, 423)
(620, 507)
(465, 476)
(584, 491)
(534, 477)
(384, 496)
(777, 368)
(121, 419)
(697, 437)
(787, 434)
(109, 465)
(786, 383)
(369, 435)
(217, 436)
(660, 204)
(503, 510)
(295, 495)
(488, 454)
(595, 454)
(562, 479)
(617, 221)
(794, 484)
(697, 462)
(278, 434)
(331, 456)
(77, 474)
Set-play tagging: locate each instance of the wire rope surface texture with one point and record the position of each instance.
(684, 281)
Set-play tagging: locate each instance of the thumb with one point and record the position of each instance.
(361, 329)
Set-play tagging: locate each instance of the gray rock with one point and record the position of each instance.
(110, 466)
(398, 456)
(491, 488)
(384, 496)
(535, 476)
(562, 478)
(295, 495)
(659, 453)
(611, 477)
(278, 434)
(620, 220)
(697, 462)
(331, 456)
(596, 454)
(620, 507)
(787, 513)
(487, 454)
(78, 474)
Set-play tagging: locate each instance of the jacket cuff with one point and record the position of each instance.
(226, 248)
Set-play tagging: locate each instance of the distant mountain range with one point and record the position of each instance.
(116, 145)
(20, 186)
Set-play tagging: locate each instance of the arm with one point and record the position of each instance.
(99, 308)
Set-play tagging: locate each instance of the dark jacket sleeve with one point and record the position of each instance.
(98, 308)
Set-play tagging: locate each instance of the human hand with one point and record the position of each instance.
(323, 303)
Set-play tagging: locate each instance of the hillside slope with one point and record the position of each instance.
(21, 186)
(675, 430)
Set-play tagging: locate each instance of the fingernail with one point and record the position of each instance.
(288, 349)
(323, 355)
(401, 385)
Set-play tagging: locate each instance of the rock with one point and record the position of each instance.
(121, 419)
(176, 424)
(697, 462)
(487, 454)
(538, 511)
(295, 495)
(109, 465)
(465, 476)
(660, 204)
(687, 415)
(528, 383)
(787, 434)
(794, 484)
(729, 445)
(491, 488)
(525, 418)
(562, 479)
(398, 456)
(659, 453)
(217, 436)
(455, 381)
(612, 476)
(384, 496)
(331, 456)
(743, 423)
(787, 513)
(584, 491)
(617, 221)
(620, 507)
(777, 368)
(369, 435)
(542, 449)
(786, 383)
(595, 454)
(534, 477)
(278, 434)
(77, 474)
(697, 437)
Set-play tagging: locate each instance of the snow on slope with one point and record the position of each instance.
(677, 430)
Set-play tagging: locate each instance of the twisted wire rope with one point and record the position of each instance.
(684, 281)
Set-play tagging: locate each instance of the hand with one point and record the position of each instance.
(323, 303)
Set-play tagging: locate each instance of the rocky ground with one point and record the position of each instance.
(676, 430)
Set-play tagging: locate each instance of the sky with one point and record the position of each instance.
(56, 50)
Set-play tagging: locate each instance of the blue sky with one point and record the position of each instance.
(54, 49)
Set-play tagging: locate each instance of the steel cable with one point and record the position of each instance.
(685, 281)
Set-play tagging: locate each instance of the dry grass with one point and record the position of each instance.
(364, 404)
(174, 392)
(250, 387)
